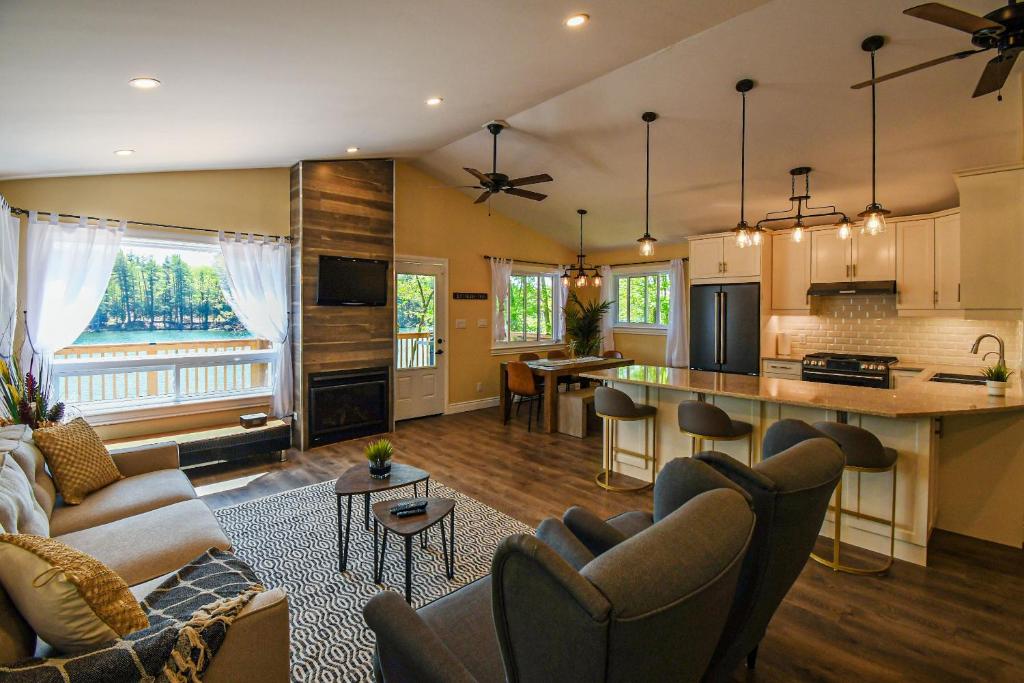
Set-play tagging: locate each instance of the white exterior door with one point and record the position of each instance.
(421, 295)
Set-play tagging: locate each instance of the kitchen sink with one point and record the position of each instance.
(954, 378)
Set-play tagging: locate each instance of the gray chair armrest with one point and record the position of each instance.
(142, 459)
(683, 479)
(560, 539)
(407, 648)
(738, 473)
(596, 534)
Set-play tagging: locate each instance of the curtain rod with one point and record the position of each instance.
(643, 263)
(516, 260)
(24, 212)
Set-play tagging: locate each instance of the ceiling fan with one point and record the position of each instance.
(1001, 30)
(492, 183)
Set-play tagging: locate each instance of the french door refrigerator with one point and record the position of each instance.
(725, 328)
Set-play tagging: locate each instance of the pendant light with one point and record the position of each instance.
(800, 208)
(581, 275)
(873, 215)
(744, 236)
(647, 242)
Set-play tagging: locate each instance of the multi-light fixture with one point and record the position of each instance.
(581, 275)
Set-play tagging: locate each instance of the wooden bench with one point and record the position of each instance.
(214, 445)
(572, 411)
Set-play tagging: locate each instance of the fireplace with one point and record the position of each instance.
(347, 404)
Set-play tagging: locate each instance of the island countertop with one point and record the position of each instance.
(917, 398)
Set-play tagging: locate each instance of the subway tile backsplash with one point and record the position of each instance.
(869, 324)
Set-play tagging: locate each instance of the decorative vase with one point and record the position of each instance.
(380, 469)
(995, 388)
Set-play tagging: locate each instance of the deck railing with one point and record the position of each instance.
(92, 374)
(415, 350)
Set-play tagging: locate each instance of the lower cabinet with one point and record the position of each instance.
(781, 369)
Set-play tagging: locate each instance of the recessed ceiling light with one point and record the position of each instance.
(434, 101)
(352, 150)
(124, 152)
(577, 20)
(144, 83)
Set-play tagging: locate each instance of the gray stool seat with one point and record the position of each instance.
(614, 403)
(710, 421)
(785, 434)
(614, 406)
(861, 448)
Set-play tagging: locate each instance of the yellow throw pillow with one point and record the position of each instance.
(77, 458)
(70, 599)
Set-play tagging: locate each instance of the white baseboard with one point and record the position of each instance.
(466, 406)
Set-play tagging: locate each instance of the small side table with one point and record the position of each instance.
(407, 528)
(356, 481)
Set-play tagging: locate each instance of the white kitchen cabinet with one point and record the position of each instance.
(900, 377)
(915, 264)
(947, 262)
(781, 369)
(706, 258)
(861, 257)
(738, 262)
(718, 258)
(830, 256)
(791, 273)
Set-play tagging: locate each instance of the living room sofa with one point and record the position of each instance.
(145, 527)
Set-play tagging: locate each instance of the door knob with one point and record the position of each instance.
(440, 341)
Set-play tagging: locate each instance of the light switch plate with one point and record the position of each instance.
(460, 323)
(481, 322)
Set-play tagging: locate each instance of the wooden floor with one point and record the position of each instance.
(959, 619)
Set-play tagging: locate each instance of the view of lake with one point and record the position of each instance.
(145, 336)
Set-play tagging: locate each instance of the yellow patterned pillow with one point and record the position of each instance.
(70, 599)
(78, 460)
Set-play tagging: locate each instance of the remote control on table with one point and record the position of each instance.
(414, 504)
(410, 512)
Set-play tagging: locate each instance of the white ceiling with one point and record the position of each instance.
(250, 83)
(804, 54)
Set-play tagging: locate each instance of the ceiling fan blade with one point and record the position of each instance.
(484, 197)
(530, 180)
(479, 176)
(995, 74)
(923, 65)
(526, 194)
(953, 18)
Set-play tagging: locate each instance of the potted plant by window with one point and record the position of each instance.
(378, 454)
(996, 377)
(583, 325)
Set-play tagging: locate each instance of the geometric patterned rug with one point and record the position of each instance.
(291, 541)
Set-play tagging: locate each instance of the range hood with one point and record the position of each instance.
(852, 288)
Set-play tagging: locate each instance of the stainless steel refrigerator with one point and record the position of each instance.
(725, 328)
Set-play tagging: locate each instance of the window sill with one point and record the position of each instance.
(655, 331)
(513, 348)
(121, 413)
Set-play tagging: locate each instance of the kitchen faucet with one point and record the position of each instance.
(1002, 347)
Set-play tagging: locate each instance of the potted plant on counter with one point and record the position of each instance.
(583, 325)
(996, 377)
(378, 454)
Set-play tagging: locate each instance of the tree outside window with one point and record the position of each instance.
(643, 299)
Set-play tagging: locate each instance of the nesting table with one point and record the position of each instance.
(407, 527)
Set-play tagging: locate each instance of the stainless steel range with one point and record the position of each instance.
(852, 369)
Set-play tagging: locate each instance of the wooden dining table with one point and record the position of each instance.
(550, 371)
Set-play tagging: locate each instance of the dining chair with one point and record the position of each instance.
(557, 354)
(529, 355)
(611, 353)
(523, 383)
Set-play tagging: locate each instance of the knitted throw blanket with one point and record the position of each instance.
(189, 616)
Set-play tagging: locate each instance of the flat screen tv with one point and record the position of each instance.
(345, 281)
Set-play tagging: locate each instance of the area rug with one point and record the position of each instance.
(291, 541)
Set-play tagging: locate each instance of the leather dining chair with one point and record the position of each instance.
(557, 354)
(523, 383)
(611, 353)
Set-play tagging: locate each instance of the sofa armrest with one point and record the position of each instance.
(683, 479)
(595, 533)
(141, 459)
(407, 648)
(257, 646)
(564, 542)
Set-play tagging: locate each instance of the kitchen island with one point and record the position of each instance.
(961, 452)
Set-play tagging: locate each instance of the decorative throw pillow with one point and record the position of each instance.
(70, 599)
(77, 458)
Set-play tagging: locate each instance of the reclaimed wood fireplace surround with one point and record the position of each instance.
(339, 208)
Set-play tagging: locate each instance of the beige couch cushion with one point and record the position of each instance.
(17, 440)
(17, 639)
(123, 498)
(19, 511)
(154, 543)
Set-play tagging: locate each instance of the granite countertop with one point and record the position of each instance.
(918, 398)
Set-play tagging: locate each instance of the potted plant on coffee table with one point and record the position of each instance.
(996, 377)
(378, 454)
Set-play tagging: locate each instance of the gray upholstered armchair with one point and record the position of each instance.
(789, 489)
(551, 611)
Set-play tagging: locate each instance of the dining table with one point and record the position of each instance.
(550, 370)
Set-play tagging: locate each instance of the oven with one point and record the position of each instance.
(858, 371)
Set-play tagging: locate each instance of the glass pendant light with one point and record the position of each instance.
(757, 237)
(579, 275)
(798, 231)
(581, 280)
(647, 242)
(744, 236)
(874, 214)
(566, 279)
(844, 229)
(597, 280)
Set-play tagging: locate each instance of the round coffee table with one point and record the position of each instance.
(407, 527)
(357, 481)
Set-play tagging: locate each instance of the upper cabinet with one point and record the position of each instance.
(861, 257)
(915, 264)
(718, 258)
(947, 262)
(830, 256)
(791, 273)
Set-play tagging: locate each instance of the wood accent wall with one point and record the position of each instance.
(339, 208)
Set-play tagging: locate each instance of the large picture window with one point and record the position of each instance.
(529, 312)
(642, 300)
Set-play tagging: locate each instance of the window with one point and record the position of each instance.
(162, 334)
(529, 307)
(642, 300)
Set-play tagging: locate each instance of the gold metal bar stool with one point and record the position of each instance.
(614, 406)
(701, 420)
(864, 453)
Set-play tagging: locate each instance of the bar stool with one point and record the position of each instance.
(864, 453)
(701, 420)
(614, 406)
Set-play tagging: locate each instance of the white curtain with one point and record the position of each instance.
(255, 284)
(68, 267)
(501, 270)
(677, 346)
(559, 298)
(9, 227)
(607, 321)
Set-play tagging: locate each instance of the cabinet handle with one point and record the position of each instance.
(855, 270)
(935, 297)
(958, 292)
(847, 270)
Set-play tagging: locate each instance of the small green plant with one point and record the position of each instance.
(379, 452)
(997, 373)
